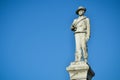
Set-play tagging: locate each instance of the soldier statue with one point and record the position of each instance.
(81, 28)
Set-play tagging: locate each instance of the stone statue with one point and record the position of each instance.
(81, 28)
(80, 69)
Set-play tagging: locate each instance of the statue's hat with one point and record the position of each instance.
(80, 8)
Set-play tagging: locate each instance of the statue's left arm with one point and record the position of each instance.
(88, 29)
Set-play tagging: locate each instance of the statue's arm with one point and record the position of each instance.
(73, 28)
(88, 28)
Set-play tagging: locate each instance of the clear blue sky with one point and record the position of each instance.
(36, 42)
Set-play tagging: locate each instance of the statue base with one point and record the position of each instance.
(80, 71)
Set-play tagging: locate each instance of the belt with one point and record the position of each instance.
(80, 32)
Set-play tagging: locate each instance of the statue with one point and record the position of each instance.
(80, 69)
(81, 28)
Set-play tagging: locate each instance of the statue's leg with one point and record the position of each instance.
(84, 48)
(78, 47)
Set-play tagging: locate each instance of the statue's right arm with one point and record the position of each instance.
(72, 26)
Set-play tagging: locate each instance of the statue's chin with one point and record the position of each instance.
(80, 14)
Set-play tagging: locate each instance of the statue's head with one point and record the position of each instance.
(81, 10)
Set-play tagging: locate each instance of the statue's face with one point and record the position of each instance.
(81, 12)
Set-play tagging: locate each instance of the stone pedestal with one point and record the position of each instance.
(80, 71)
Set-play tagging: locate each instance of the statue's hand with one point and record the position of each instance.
(87, 38)
(73, 28)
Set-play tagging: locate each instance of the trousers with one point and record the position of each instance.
(81, 46)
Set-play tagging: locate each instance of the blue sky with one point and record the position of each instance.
(36, 42)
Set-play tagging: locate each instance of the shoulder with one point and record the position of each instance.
(74, 20)
(87, 19)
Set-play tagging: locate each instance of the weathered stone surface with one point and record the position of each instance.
(80, 71)
(81, 28)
